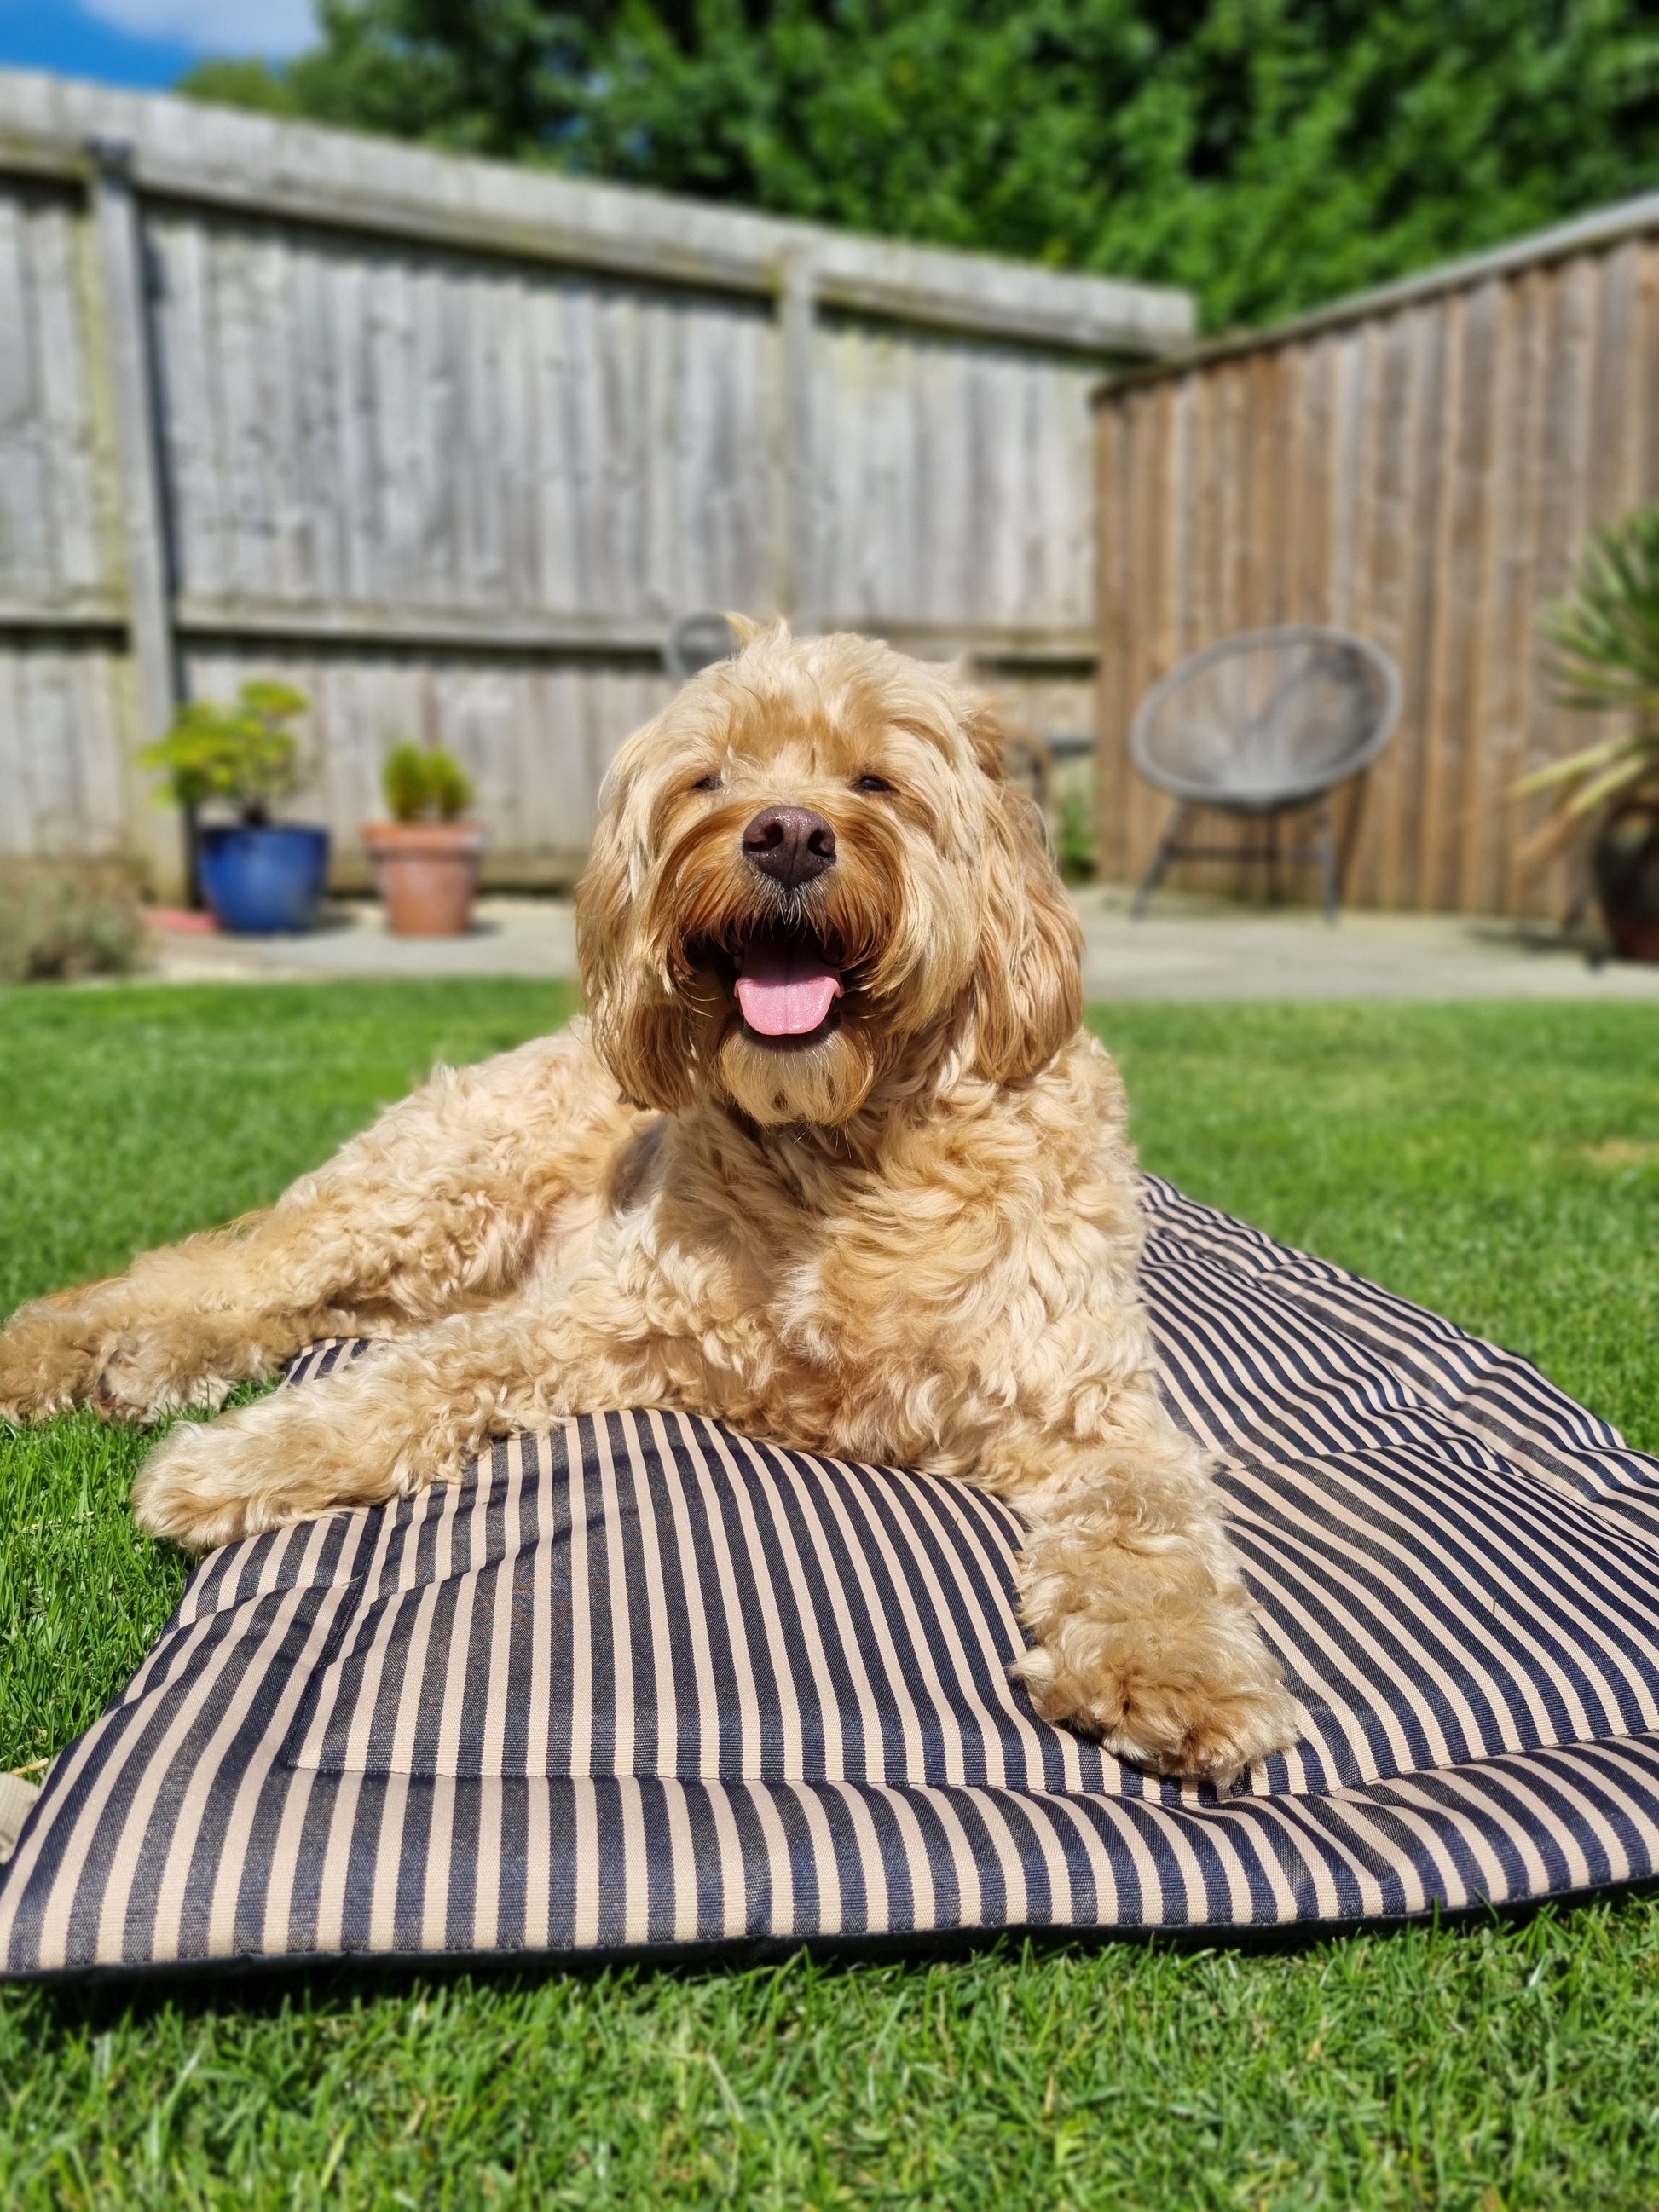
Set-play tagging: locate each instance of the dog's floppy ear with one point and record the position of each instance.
(639, 1027)
(1028, 981)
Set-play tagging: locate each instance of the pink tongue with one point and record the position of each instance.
(784, 992)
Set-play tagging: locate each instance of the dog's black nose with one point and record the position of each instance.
(790, 843)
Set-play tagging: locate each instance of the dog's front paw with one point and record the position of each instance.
(204, 1485)
(186, 1362)
(50, 1360)
(286, 1458)
(1175, 1702)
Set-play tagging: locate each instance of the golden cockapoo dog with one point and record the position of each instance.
(831, 1158)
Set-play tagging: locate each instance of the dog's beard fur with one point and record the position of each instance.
(869, 918)
(941, 914)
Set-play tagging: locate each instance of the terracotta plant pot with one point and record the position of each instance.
(426, 873)
(1626, 863)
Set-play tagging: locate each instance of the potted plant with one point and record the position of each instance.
(257, 875)
(426, 859)
(1606, 638)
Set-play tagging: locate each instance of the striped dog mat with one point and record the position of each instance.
(644, 1683)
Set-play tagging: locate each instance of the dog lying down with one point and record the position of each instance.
(831, 1158)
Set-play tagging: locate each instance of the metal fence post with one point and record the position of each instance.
(157, 832)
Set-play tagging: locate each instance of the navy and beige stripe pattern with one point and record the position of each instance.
(644, 1682)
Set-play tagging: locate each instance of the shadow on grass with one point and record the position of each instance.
(268, 1989)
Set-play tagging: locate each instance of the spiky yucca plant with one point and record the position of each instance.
(1605, 637)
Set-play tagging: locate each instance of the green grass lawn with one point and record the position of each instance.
(1498, 1161)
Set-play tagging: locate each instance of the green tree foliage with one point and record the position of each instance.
(1269, 154)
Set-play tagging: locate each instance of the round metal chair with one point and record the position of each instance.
(1257, 725)
(695, 642)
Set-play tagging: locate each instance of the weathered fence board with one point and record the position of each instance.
(955, 491)
(1422, 466)
(65, 707)
(56, 527)
(450, 444)
(412, 432)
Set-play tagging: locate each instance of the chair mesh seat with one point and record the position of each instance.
(642, 1683)
(1267, 719)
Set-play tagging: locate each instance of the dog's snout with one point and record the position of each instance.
(791, 844)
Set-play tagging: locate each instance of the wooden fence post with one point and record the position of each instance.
(797, 322)
(156, 831)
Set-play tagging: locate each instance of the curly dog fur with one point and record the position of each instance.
(900, 1226)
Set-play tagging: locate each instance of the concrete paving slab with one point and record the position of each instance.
(509, 937)
(1185, 948)
(1215, 950)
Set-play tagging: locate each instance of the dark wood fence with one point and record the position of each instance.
(1420, 465)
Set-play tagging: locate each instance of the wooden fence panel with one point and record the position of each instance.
(65, 689)
(412, 430)
(1423, 468)
(66, 706)
(953, 484)
(56, 534)
(451, 444)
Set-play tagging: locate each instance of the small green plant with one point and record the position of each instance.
(403, 779)
(422, 783)
(245, 754)
(1074, 835)
(1605, 637)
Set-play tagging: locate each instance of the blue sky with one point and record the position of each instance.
(145, 42)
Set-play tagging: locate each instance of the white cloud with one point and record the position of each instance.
(214, 27)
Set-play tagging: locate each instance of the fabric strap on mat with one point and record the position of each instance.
(643, 1682)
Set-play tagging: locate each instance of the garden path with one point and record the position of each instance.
(1187, 948)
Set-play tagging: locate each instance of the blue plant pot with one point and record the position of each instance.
(261, 880)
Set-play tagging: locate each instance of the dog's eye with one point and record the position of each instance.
(872, 783)
(709, 782)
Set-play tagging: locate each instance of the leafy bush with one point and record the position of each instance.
(243, 753)
(1074, 834)
(1269, 154)
(422, 783)
(68, 918)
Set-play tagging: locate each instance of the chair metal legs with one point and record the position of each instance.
(1323, 851)
(1325, 838)
(1161, 859)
